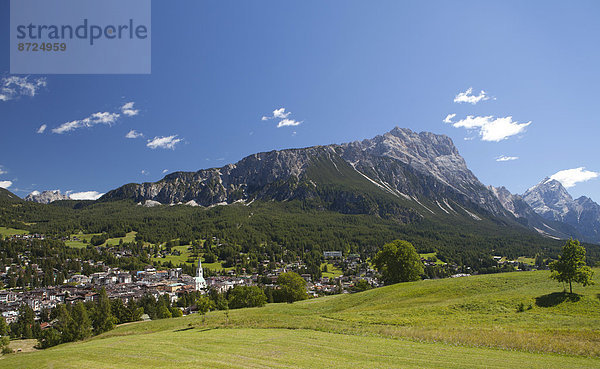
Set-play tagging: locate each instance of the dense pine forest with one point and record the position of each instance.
(296, 226)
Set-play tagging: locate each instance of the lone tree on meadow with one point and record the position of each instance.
(570, 266)
(398, 261)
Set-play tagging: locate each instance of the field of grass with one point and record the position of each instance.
(11, 231)
(23, 345)
(185, 257)
(215, 266)
(277, 348)
(176, 259)
(79, 244)
(449, 323)
(432, 255)
(129, 237)
(332, 271)
(526, 260)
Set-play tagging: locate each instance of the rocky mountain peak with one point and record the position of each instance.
(507, 199)
(551, 200)
(46, 197)
(429, 153)
(404, 162)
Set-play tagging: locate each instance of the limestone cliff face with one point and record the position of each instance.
(46, 197)
(426, 154)
(552, 201)
(526, 215)
(401, 174)
(409, 165)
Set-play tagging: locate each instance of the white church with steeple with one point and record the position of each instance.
(199, 280)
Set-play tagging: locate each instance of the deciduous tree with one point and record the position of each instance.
(570, 266)
(292, 287)
(246, 296)
(398, 261)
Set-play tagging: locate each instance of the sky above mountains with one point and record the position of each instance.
(512, 83)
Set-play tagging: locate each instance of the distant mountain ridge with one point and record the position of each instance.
(552, 201)
(46, 197)
(8, 197)
(412, 168)
(525, 214)
(401, 174)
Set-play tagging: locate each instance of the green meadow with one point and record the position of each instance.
(11, 231)
(129, 237)
(509, 320)
(182, 258)
(186, 257)
(432, 255)
(332, 270)
(278, 348)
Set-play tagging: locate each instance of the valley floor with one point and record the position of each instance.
(507, 320)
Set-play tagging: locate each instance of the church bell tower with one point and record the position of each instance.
(199, 280)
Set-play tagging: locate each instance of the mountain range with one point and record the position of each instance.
(551, 200)
(46, 197)
(401, 175)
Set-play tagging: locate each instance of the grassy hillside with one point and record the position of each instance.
(129, 237)
(11, 231)
(448, 323)
(279, 348)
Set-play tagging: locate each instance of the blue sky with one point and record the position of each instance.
(346, 70)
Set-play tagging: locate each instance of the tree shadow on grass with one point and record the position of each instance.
(194, 327)
(183, 329)
(556, 298)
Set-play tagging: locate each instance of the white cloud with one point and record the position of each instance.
(492, 129)
(92, 120)
(507, 158)
(166, 142)
(42, 128)
(278, 114)
(128, 109)
(86, 195)
(288, 123)
(570, 177)
(449, 118)
(133, 134)
(468, 97)
(144, 172)
(281, 113)
(5, 184)
(165, 171)
(2, 171)
(14, 87)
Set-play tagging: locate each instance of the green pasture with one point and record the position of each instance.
(509, 320)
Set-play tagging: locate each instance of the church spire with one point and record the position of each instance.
(199, 281)
(199, 271)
